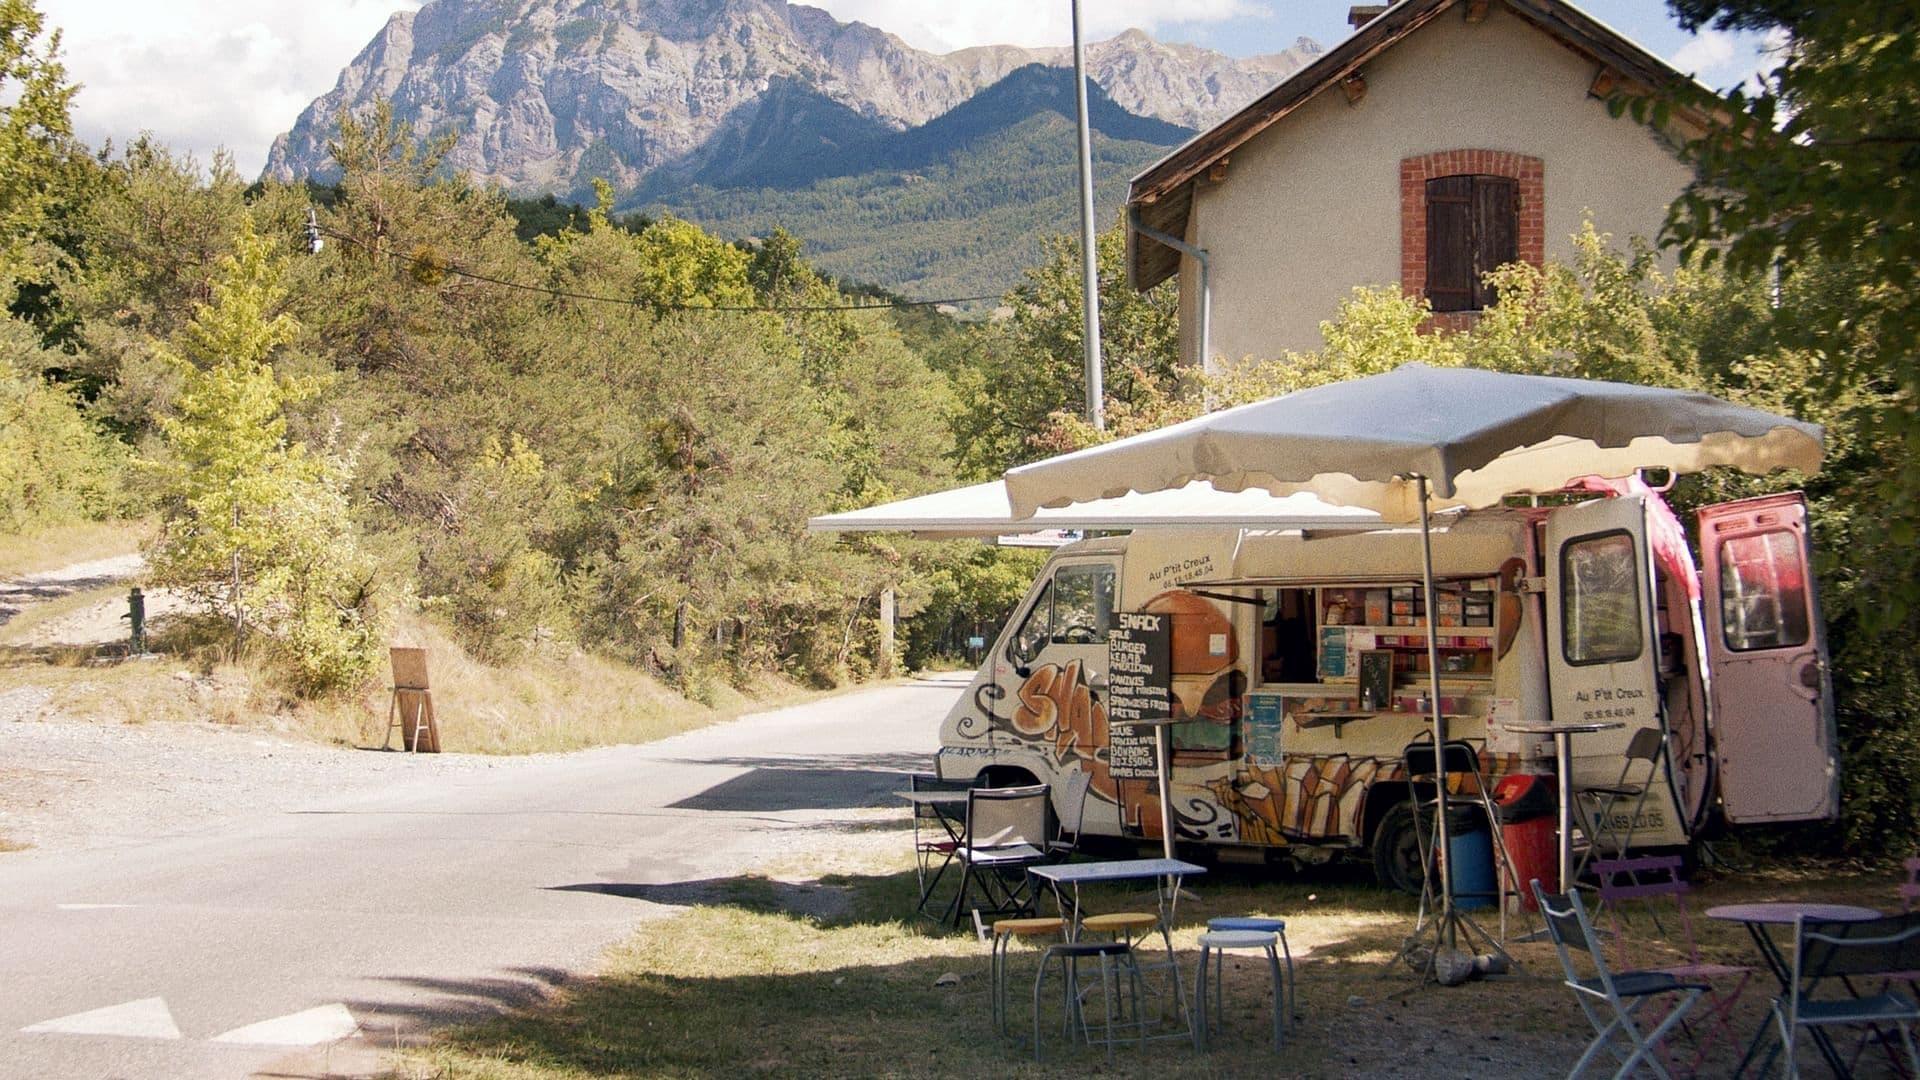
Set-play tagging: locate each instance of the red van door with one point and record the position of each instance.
(1770, 694)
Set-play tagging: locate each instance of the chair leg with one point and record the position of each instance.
(1279, 998)
(1292, 1000)
(1200, 1003)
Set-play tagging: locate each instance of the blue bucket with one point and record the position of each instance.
(1470, 853)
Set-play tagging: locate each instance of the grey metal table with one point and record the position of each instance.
(1563, 768)
(1756, 918)
(1166, 873)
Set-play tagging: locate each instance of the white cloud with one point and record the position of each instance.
(1706, 53)
(945, 25)
(202, 74)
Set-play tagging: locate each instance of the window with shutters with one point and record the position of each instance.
(1472, 227)
(1462, 213)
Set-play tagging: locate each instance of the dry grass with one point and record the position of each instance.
(63, 545)
(745, 982)
(7, 845)
(544, 703)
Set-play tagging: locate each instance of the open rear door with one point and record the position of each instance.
(1771, 695)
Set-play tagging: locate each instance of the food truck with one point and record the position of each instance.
(1299, 674)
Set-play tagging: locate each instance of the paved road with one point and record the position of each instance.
(302, 942)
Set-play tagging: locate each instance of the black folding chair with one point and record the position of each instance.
(936, 834)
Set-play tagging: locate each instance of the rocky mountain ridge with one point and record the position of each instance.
(547, 94)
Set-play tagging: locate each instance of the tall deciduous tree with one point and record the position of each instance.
(1819, 165)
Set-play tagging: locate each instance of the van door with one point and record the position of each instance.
(1602, 665)
(1600, 660)
(1058, 656)
(1770, 692)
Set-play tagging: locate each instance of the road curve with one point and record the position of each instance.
(305, 941)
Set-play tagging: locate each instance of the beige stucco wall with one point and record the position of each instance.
(1310, 208)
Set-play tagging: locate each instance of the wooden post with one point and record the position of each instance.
(883, 663)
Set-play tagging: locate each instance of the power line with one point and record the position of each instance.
(314, 230)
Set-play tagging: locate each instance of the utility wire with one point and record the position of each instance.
(314, 230)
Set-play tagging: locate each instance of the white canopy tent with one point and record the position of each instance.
(983, 510)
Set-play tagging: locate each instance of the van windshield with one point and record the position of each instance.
(1082, 604)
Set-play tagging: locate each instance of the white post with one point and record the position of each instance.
(1439, 720)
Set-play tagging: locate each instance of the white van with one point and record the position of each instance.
(1558, 614)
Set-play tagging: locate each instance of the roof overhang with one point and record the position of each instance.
(1163, 194)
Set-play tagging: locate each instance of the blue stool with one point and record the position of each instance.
(1277, 927)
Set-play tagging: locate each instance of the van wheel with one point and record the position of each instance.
(999, 776)
(1396, 851)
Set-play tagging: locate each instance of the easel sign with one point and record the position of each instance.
(411, 709)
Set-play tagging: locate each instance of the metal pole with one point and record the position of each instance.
(1089, 265)
(1166, 800)
(1447, 929)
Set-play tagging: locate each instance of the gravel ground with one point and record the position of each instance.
(68, 785)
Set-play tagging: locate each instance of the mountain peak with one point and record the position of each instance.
(546, 94)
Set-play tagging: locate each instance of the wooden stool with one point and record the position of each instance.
(1004, 931)
(1134, 927)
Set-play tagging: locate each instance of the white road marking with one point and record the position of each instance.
(90, 907)
(147, 1018)
(307, 1028)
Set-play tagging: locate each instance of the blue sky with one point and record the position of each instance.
(201, 74)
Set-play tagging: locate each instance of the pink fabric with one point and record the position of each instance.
(1665, 534)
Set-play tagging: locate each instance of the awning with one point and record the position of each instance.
(983, 510)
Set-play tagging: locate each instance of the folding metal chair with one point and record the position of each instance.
(1612, 1002)
(1846, 951)
(1650, 881)
(935, 836)
(1596, 804)
(1006, 833)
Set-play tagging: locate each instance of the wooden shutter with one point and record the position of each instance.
(1450, 207)
(1495, 239)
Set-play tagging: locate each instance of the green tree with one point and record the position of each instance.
(44, 174)
(1817, 166)
(1021, 370)
(255, 526)
(55, 465)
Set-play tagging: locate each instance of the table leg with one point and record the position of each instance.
(1776, 961)
(1563, 762)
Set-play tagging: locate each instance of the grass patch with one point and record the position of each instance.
(746, 982)
(64, 545)
(546, 701)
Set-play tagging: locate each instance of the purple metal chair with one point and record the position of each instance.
(1653, 882)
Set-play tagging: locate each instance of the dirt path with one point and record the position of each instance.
(100, 622)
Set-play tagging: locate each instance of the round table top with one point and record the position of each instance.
(1553, 729)
(1786, 911)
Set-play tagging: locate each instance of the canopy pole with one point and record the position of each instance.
(1448, 932)
(1161, 740)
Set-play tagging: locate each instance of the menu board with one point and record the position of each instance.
(1139, 690)
(1265, 715)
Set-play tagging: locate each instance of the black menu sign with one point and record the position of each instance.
(1139, 690)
